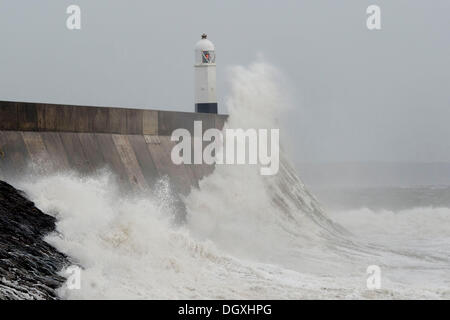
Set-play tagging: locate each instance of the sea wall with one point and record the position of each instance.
(132, 143)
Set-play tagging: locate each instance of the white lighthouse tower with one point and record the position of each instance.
(205, 76)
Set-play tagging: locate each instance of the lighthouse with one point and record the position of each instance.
(205, 76)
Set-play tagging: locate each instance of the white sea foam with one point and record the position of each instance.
(246, 235)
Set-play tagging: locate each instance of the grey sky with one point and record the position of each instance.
(360, 95)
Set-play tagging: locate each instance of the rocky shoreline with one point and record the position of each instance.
(29, 266)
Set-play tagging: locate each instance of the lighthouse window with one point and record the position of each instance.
(208, 57)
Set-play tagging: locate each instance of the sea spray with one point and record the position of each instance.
(246, 236)
(271, 219)
(129, 248)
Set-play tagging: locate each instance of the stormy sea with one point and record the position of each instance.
(244, 236)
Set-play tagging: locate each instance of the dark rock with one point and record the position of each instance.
(29, 266)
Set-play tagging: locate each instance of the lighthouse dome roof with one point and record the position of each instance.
(204, 45)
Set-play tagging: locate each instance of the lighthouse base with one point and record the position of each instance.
(206, 107)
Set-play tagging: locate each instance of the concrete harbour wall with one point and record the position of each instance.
(132, 143)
